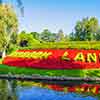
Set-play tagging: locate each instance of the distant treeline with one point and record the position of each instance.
(86, 29)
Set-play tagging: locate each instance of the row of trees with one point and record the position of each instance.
(25, 39)
(85, 30)
(81, 33)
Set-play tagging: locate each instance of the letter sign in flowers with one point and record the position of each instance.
(80, 57)
(91, 57)
(55, 59)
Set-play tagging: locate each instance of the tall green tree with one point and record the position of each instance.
(53, 37)
(71, 36)
(13, 39)
(98, 35)
(86, 29)
(78, 31)
(35, 35)
(26, 39)
(45, 35)
(60, 36)
(8, 25)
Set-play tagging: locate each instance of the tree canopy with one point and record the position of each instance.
(8, 24)
(26, 39)
(86, 29)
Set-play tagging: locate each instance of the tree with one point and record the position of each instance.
(45, 35)
(35, 35)
(20, 5)
(71, 36)
(26, 39)
(12, 46)
(78, 31)
(98, 35)
(13, 39)
(53, 37)
(86, 29)
(8, 25)
(60, 36)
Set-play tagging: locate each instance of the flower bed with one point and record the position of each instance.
(55, 59)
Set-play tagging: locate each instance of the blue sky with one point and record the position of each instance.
(56, 14)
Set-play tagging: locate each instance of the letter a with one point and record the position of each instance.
(79, 57)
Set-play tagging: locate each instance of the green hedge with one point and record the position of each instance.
(4, 69)
(62, 45)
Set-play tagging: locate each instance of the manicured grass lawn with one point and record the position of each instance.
(4, 69)
(0, 61)
(64, 45)
(14, 70)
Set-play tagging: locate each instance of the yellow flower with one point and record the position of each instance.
(79, 89)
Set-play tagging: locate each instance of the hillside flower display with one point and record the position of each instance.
(54, 59)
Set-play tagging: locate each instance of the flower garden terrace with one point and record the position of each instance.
(54, 59)
(58, 60)
(79, 55)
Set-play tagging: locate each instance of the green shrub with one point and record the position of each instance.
(64, 45)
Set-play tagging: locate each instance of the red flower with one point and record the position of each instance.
(54, 60)
(56, 87)
(71, 89)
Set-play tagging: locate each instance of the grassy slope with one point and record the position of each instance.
(68, 44)
(14, 70)
(29, 71)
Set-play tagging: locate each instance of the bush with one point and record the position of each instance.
(64, 45)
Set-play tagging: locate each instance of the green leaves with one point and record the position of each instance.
(8, 24)
(30, 41)
(86, 29)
